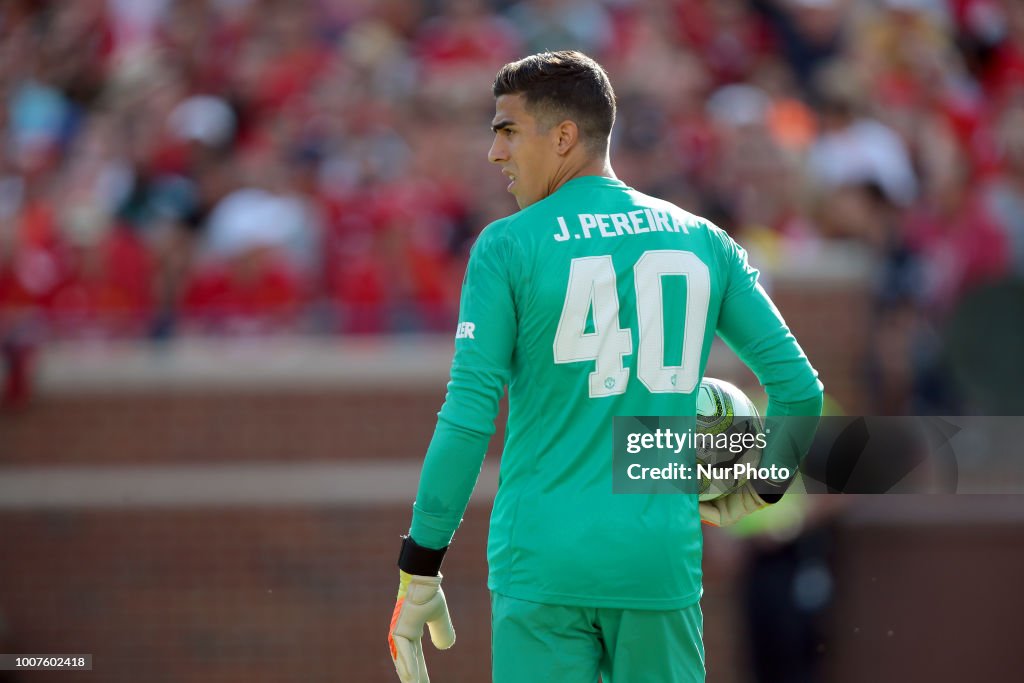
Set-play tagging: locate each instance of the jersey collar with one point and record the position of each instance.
(593, 181)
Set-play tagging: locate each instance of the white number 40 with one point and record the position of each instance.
(592, 287)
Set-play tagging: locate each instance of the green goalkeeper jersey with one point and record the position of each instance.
(594, 302)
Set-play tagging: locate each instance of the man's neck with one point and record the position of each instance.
(598, 166)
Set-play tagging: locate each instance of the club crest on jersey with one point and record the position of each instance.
(465, 331)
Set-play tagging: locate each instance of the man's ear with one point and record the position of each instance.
(567, 136)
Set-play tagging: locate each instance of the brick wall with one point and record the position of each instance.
(250, 595)
(265, 595)
(220, 426)
(214, 595)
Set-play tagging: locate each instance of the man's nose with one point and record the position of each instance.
(498, 152)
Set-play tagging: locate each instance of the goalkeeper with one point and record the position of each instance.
(594, 300)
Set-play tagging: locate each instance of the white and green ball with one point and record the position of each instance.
(722, 408)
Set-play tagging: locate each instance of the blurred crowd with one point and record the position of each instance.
(243, 167)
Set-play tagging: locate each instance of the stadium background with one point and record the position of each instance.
(231, 238)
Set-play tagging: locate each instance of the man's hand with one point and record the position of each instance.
(420, 602)
(731, 508)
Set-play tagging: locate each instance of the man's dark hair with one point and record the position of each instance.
(563, 85)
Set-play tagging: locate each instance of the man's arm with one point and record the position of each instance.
(480, 371)
(753, 328)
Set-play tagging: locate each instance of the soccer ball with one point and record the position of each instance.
(726, 414)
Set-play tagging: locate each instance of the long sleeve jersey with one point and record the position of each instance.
(597, 301)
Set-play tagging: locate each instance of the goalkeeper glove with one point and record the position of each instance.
(420, 603)
(731, 508)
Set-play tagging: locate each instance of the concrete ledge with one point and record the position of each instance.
(225, 363)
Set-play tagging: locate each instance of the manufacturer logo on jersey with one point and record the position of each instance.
(465, 331)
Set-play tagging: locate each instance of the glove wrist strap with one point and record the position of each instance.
(419, 561)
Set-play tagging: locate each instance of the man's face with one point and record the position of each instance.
(528, 154)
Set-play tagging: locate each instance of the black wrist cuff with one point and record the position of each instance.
(770, 492)
(415, 559)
